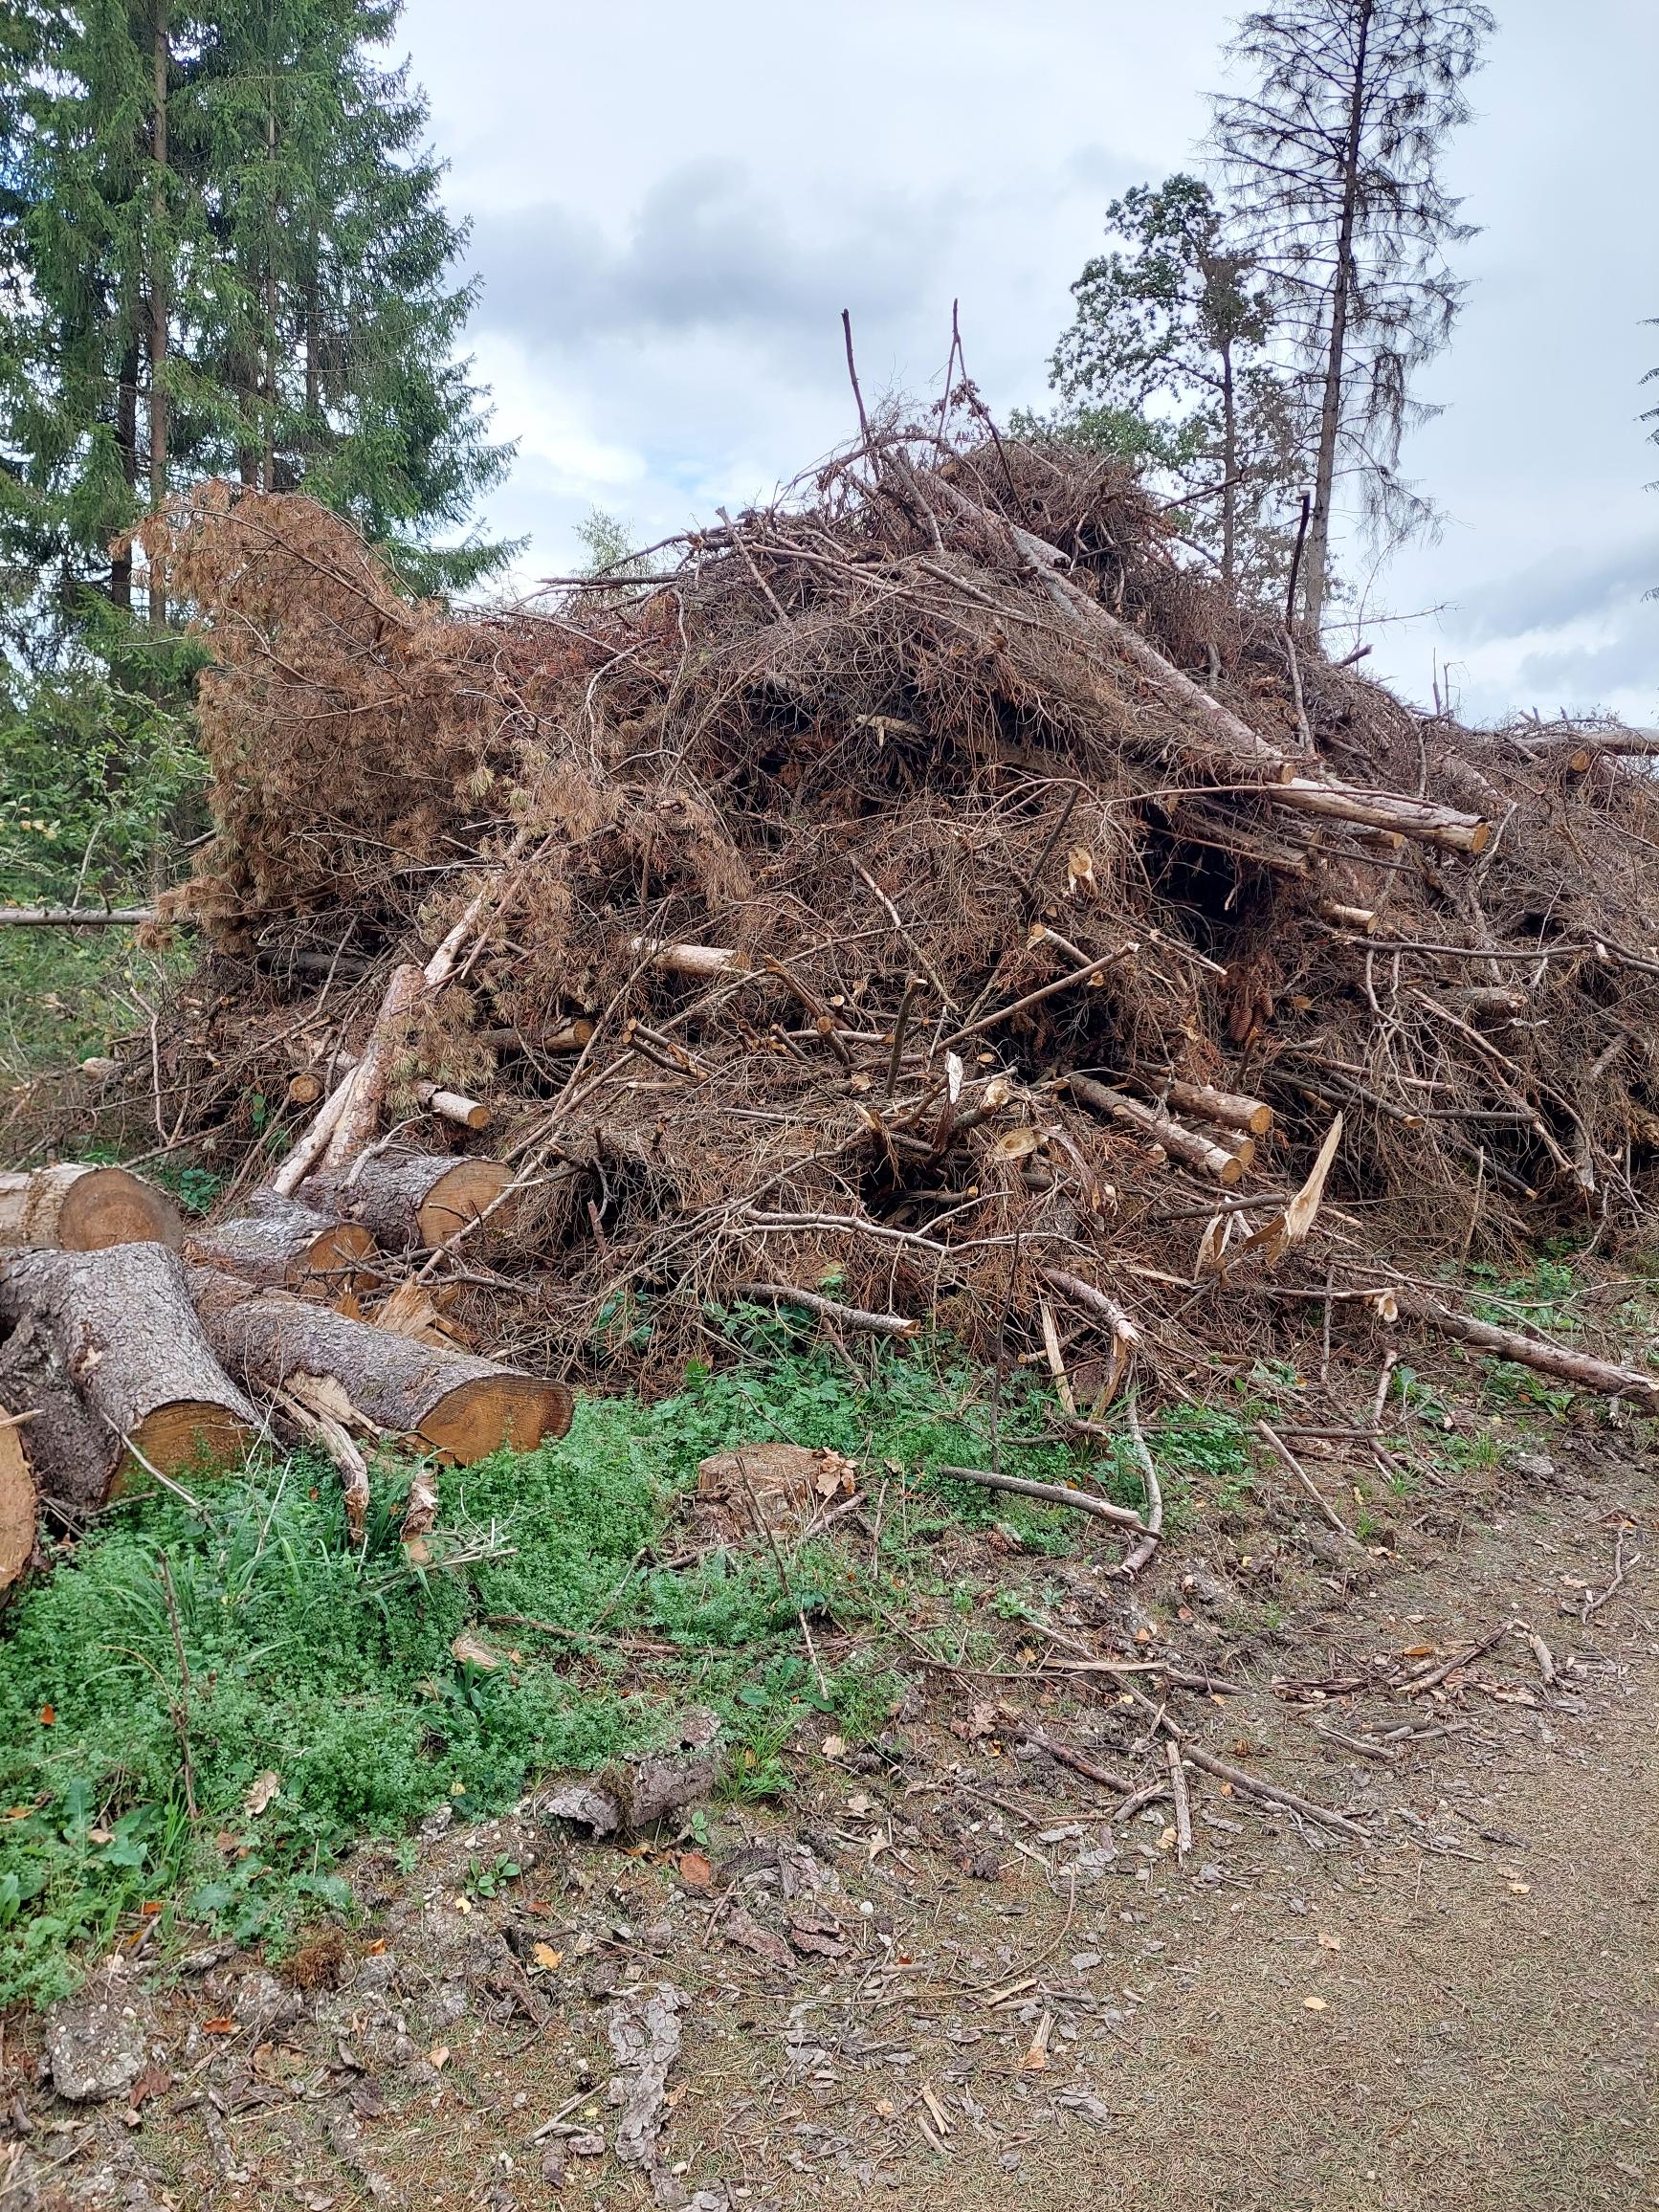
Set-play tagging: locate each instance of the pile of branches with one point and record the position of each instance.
(927, 899)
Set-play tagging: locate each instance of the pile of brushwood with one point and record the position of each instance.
(926, 902)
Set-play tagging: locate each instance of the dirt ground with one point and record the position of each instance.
(944, 1973)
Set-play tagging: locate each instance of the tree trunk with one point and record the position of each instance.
(126, 445)
(84, 1210)
(1230, 1109)
(19, 1502)
(160, 307)
(410, 1202)
(1183, 1144)
(1387, 811)
(448, 1402)
(1581, 1368)
(1317, 573)
(369, 1078)
(285, 1245)
(107, 1348)
(1228, 470)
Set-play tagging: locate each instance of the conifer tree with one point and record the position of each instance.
(1168, 362)
(1333, 159)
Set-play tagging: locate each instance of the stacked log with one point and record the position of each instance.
(107, 1352)
(77, 1208)
(283, 1244)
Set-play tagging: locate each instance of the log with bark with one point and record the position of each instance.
(76, 1208)
(1581, 1368)
(106, 1350)
(411, 1200)
(1227, 1109)
(281, 1242)
(1388, 810)
(447, 1402)
(19, 1502)
(1185, 1144)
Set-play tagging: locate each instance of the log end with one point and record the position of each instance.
(1261, 1122)
(110, 1206)
(1230, 1172)
(175, 1436)
(460, 1196)
(470, 1421)
(336, 1259)
(1479, 838)
(20, 1504)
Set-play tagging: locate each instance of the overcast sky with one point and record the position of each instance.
(672, 205)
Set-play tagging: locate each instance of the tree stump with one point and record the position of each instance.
(450, 1402)
(74, 1209)
(411, 1200)
(106, 1350)
(287, 1246)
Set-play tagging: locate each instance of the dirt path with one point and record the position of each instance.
(1466, 2015)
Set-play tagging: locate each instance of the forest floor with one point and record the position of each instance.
(942, 1974)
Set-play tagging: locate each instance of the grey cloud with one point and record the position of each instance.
(1583, 677)
(1563, 588)
(706, 250)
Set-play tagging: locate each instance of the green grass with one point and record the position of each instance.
(330, 1664)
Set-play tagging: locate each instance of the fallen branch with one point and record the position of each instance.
(1051, 1494)
(76, 917)
(1277, 1443)
(830, 1309)
(1581, 1368)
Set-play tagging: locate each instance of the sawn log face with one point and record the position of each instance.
(107, 1348)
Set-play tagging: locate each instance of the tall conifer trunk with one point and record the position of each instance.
(159, 298)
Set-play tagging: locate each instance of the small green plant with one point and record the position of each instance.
(487, 1881)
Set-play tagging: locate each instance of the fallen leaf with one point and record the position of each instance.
(1315, 2004)
(834, 1746)
(694, 1870)
(1420, 1651)
(263, 1789)
(225, 2026)
(47, 1717)
(1329, 1942)
(1522, 1888)
(545, 1954)
(438, 2056)
(472, 1653)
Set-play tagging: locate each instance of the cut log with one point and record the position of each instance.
(304, 1087)
(107, 1348)
(454, 1106)
(703, 961)
(414, 1202)
(564, 1037)
(1180, 1143)
(447, 1402)
(1419, 818)
(368, 1080)
(1230, 1109)
(1581, 1368)
(288, 1245)
(84, 1210)
(1363, 918)
(19, 1503)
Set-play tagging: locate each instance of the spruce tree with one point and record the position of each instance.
(1335, 160)
(232, 257)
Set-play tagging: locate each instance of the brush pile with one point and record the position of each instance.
(926, 902)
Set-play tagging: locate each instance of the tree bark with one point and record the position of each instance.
(76, 917)
(106, 1347)
(1230, 1109)
(1419, 818)
(1183, 1144)
(447, 1402)
(283, 1244)
(1581, 1368)
(412, 1202)
(84, 1210)
(454, 1106)
(360, 1117)
(19, 1502)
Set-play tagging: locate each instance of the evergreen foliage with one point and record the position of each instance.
(1169, 364)
(229, 256)
(1333, 159)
